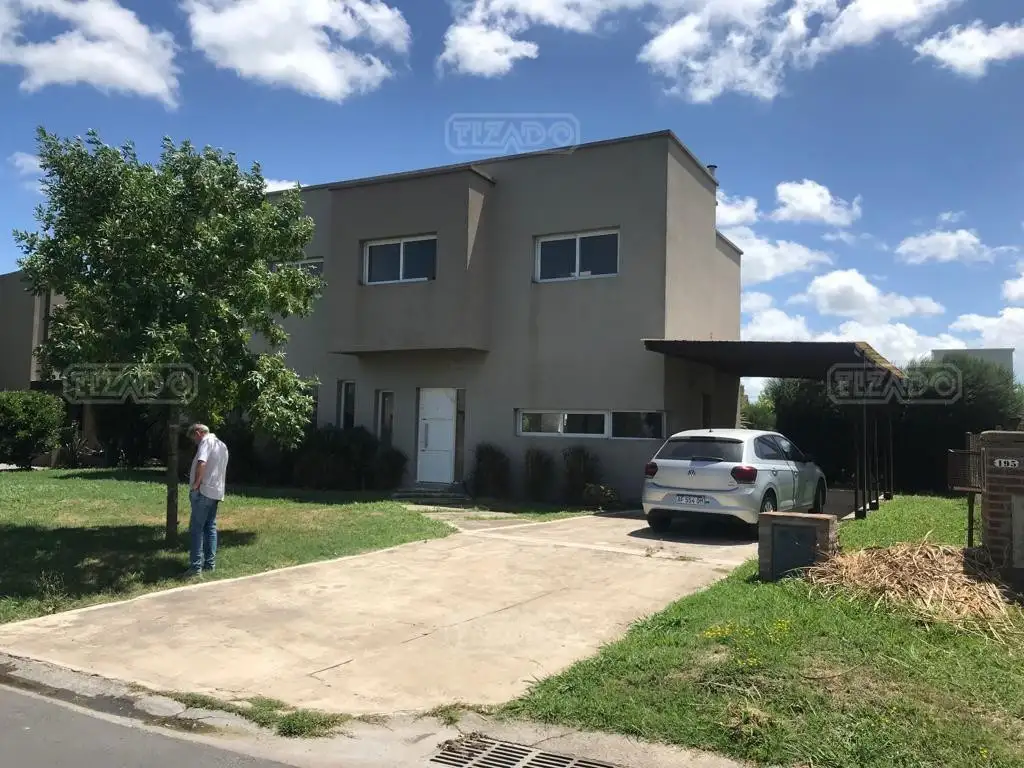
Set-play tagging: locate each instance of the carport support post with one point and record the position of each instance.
(888, 452)
(865, 480)
(860, 510)
(876, 483)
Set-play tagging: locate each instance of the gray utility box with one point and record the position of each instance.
(789, 541)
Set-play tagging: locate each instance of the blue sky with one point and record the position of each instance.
(869, 150)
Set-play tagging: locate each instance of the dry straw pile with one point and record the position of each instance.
(934, 582)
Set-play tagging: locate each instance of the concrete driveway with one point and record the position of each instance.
(475, 617)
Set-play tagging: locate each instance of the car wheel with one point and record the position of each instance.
(819, 500)
(659, 521)
(768, 503)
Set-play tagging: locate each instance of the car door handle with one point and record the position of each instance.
(426, 434)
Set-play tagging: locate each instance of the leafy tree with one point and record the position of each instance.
(759, 414)
(170, 264)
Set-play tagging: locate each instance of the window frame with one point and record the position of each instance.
(301, 264)
(664, 426)
(608, 426)
(339, 405)
(578, 236)
(379, 415)
(400, 241)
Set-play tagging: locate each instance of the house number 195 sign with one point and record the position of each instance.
(1006, 463)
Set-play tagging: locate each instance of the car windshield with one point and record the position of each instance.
(702, 449)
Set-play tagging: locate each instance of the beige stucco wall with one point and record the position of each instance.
(573, 345)
(17, 319)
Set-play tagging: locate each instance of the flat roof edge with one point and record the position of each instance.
(728, 242)
(473, 165)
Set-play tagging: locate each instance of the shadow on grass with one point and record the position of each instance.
(158, 476)
(43, 563)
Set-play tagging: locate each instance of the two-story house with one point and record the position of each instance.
(506, 301)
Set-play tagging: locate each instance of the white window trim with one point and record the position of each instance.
(576, 272)
(401, 259)
(606, 435)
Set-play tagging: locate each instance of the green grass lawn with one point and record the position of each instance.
(776, 674)
(72, 538)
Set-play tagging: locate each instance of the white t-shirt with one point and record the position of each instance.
(215, 454)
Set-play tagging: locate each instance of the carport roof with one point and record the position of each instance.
(775, 359)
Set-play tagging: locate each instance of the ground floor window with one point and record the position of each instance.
(385, 416)
(638, 425)
(345, 405)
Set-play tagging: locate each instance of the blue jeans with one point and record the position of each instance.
(202, 532)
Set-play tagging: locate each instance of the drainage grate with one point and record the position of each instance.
(482, 752)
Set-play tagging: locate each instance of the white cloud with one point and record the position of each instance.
(765, 260)
(1013, 289)
(102, 44)
(28, 169)
(810, 201)
(25, 164)
(736, 211)
(852, 238)
(970, 50)
(473, 49)
(951, 217)
(276, 185)
(847, 293)
(300, 44)
(947, 246)
(755, 301)
(776, 325)
(702, 48)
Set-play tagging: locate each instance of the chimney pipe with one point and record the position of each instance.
(712, 169)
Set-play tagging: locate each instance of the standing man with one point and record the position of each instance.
(206, 490)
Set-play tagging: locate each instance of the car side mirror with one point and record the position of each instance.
(808, 459)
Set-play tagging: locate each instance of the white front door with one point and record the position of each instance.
(436, 459)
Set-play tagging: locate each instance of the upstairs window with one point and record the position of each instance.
(403, 260)
(314, 267)
(573, 257)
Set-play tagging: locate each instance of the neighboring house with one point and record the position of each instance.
(22, 326)
(1001, 357)
(506, 302)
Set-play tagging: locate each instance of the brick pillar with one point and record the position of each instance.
(1002, 506)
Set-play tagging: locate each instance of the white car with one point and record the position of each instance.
(739, 473)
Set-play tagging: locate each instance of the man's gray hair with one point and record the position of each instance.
(199, 428)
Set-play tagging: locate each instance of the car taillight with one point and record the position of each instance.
(744, 474)
(651, 469)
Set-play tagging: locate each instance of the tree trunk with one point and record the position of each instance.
(171, 534)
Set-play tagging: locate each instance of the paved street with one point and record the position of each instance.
(39, 734)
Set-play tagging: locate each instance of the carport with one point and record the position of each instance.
(860, 380)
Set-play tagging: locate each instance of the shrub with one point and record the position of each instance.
(30, 425)
(388, 469)
(582, 468)
(540, 475)
(597, 496)
(336, 459)
(492, 472)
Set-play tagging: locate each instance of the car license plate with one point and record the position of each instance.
(693, 501)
